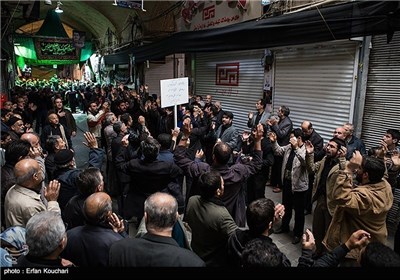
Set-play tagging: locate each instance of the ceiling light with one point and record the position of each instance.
(47, 2)
(58, 9)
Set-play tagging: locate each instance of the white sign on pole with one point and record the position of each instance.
(174, 91)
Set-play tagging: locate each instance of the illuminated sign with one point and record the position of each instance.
(56, 49)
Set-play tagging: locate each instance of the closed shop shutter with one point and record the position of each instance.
(159, 71)
(317, 83)
(382, 109)
(242, 87)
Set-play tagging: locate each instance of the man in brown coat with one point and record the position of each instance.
(363, 206)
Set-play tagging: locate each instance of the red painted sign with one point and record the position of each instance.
(227, 74)
(209, 12)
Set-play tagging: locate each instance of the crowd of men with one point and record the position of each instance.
(198, 187)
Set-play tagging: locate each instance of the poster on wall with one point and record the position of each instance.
(56, 49)
(78, 39)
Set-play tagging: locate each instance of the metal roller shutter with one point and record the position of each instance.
(157, 72)
(241, 98)
(317, 82)
(382, 110)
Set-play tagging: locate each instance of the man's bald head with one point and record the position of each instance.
(25, 171)
(306, 127)
(96, 207)
(305, 124)
(161, 212)
(32, 138)
(221, 153)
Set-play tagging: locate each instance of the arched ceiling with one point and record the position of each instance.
(96, 17)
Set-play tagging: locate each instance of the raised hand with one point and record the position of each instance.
(355, 162)
(272, 137)
(309, 147)
(125, 141)
(141, 120)
(396, 159)
(258, 134)
(358, 239)
(187, 127)
(308, 241)
(52, 191)
(342, 152)
(116, 223)
(91, 141)
(175, 132)
(199, 154)
(279, 212)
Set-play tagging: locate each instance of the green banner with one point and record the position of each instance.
(56, 49)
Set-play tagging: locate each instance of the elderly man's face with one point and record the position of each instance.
(18, 127)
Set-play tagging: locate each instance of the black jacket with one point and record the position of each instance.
(236, 244)
(152, 251)
(89, 245)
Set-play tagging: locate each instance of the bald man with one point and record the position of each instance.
(89, 245)
(318, 143)
(24, 199)
(32, 138)
(97, 207)
(36, 151)
(156, 248)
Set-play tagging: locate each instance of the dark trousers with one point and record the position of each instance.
(397, 240)
(256, 185)
(308, 196)
(293, 200)
(276, 172)
(321, 221)
(41, 117)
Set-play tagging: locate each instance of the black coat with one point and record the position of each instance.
(89, 245)
(152, 251)
(238, 240)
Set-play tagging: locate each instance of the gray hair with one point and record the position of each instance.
(30, 171)
(117, 126)
(44, 232)
(161, 210)
(51, 142)
(350, 128)
(108, 117)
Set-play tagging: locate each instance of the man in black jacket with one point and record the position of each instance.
(318, 143)
(89, 245)
(156, 248)
(261, 214)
